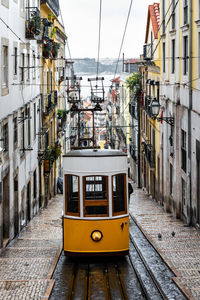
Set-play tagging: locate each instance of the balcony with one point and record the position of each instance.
(147, 51)
(118, 110)
(55, 97)
(133, 153)
(53, 5)
(133, 110)
(150, 154)
(48, 108)
(47, 47)
(33, 23)
(147, 106)
(55, 48)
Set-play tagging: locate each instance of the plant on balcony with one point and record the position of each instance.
(55, 48)
(56, 151)
(47, 47)
(133, 83)
(60, 113)
(33, 24)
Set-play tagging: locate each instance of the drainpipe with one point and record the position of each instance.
(189, 117)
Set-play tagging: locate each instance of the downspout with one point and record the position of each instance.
(189, 116)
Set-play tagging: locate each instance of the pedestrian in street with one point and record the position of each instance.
(130, 190)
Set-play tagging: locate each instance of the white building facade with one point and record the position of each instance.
(20, 119)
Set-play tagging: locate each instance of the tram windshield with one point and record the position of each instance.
(95, 195)
(72, 194)
(119, 193)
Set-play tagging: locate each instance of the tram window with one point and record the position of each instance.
(71, 194)
(95, 194)
(95, 188)
(119, 193)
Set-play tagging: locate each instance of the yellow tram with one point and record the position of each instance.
(95, 220)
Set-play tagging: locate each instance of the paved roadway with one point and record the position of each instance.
(28, 262)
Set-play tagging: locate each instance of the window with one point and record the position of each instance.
(5, 135)
(119, 194)
(34, 121)
(22, 145)
(173, 57)
(15, 61)
(95, 195)
(28, 126)
(34, 185)
(15, 137)
(183, 150)
(185, 12)
(28, 66)
(171, 179)
(163, 16)
(163, 57)
(5, 66)
(22, 66)
(173, 15)
(34, 66)
(71, 195)
(185, 55)
(48, 82)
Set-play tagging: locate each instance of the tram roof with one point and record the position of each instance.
(94, 153)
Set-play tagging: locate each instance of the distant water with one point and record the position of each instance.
(85, 84)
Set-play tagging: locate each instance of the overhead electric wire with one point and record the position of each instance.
(123, 37)
(99, 40)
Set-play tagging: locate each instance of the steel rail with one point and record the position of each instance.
(121, 283)
(70, 295)
(155, 281)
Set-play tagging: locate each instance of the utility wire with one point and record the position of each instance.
(99, 42)
(123, 37)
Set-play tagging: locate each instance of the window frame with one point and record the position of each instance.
(185, 55)
(65, 187)
(15, 61)
(183, 150)
(5, 66)
(173, 54)
(103, 202)
(125, 195)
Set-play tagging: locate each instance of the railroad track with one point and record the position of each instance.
(153, 274)
(140, 275)
(96, 281)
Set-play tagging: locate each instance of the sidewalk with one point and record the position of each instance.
(27, 264)
(181, 252)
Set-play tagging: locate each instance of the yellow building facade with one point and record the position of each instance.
(52, 75)
(150, 83)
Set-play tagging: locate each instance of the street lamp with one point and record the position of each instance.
(155, 108)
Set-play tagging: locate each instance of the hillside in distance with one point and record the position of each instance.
(89, 66)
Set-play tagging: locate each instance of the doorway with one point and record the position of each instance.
(16, 206)
(6, 210)
(28, 202)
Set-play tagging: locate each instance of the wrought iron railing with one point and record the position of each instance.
(33, 23)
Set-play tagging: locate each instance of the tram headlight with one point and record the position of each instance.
(96, 235)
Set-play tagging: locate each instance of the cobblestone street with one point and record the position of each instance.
(26, 265)
(181, 251)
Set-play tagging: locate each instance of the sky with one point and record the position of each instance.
(81, 20)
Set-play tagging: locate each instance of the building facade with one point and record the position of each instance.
(19, 117)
